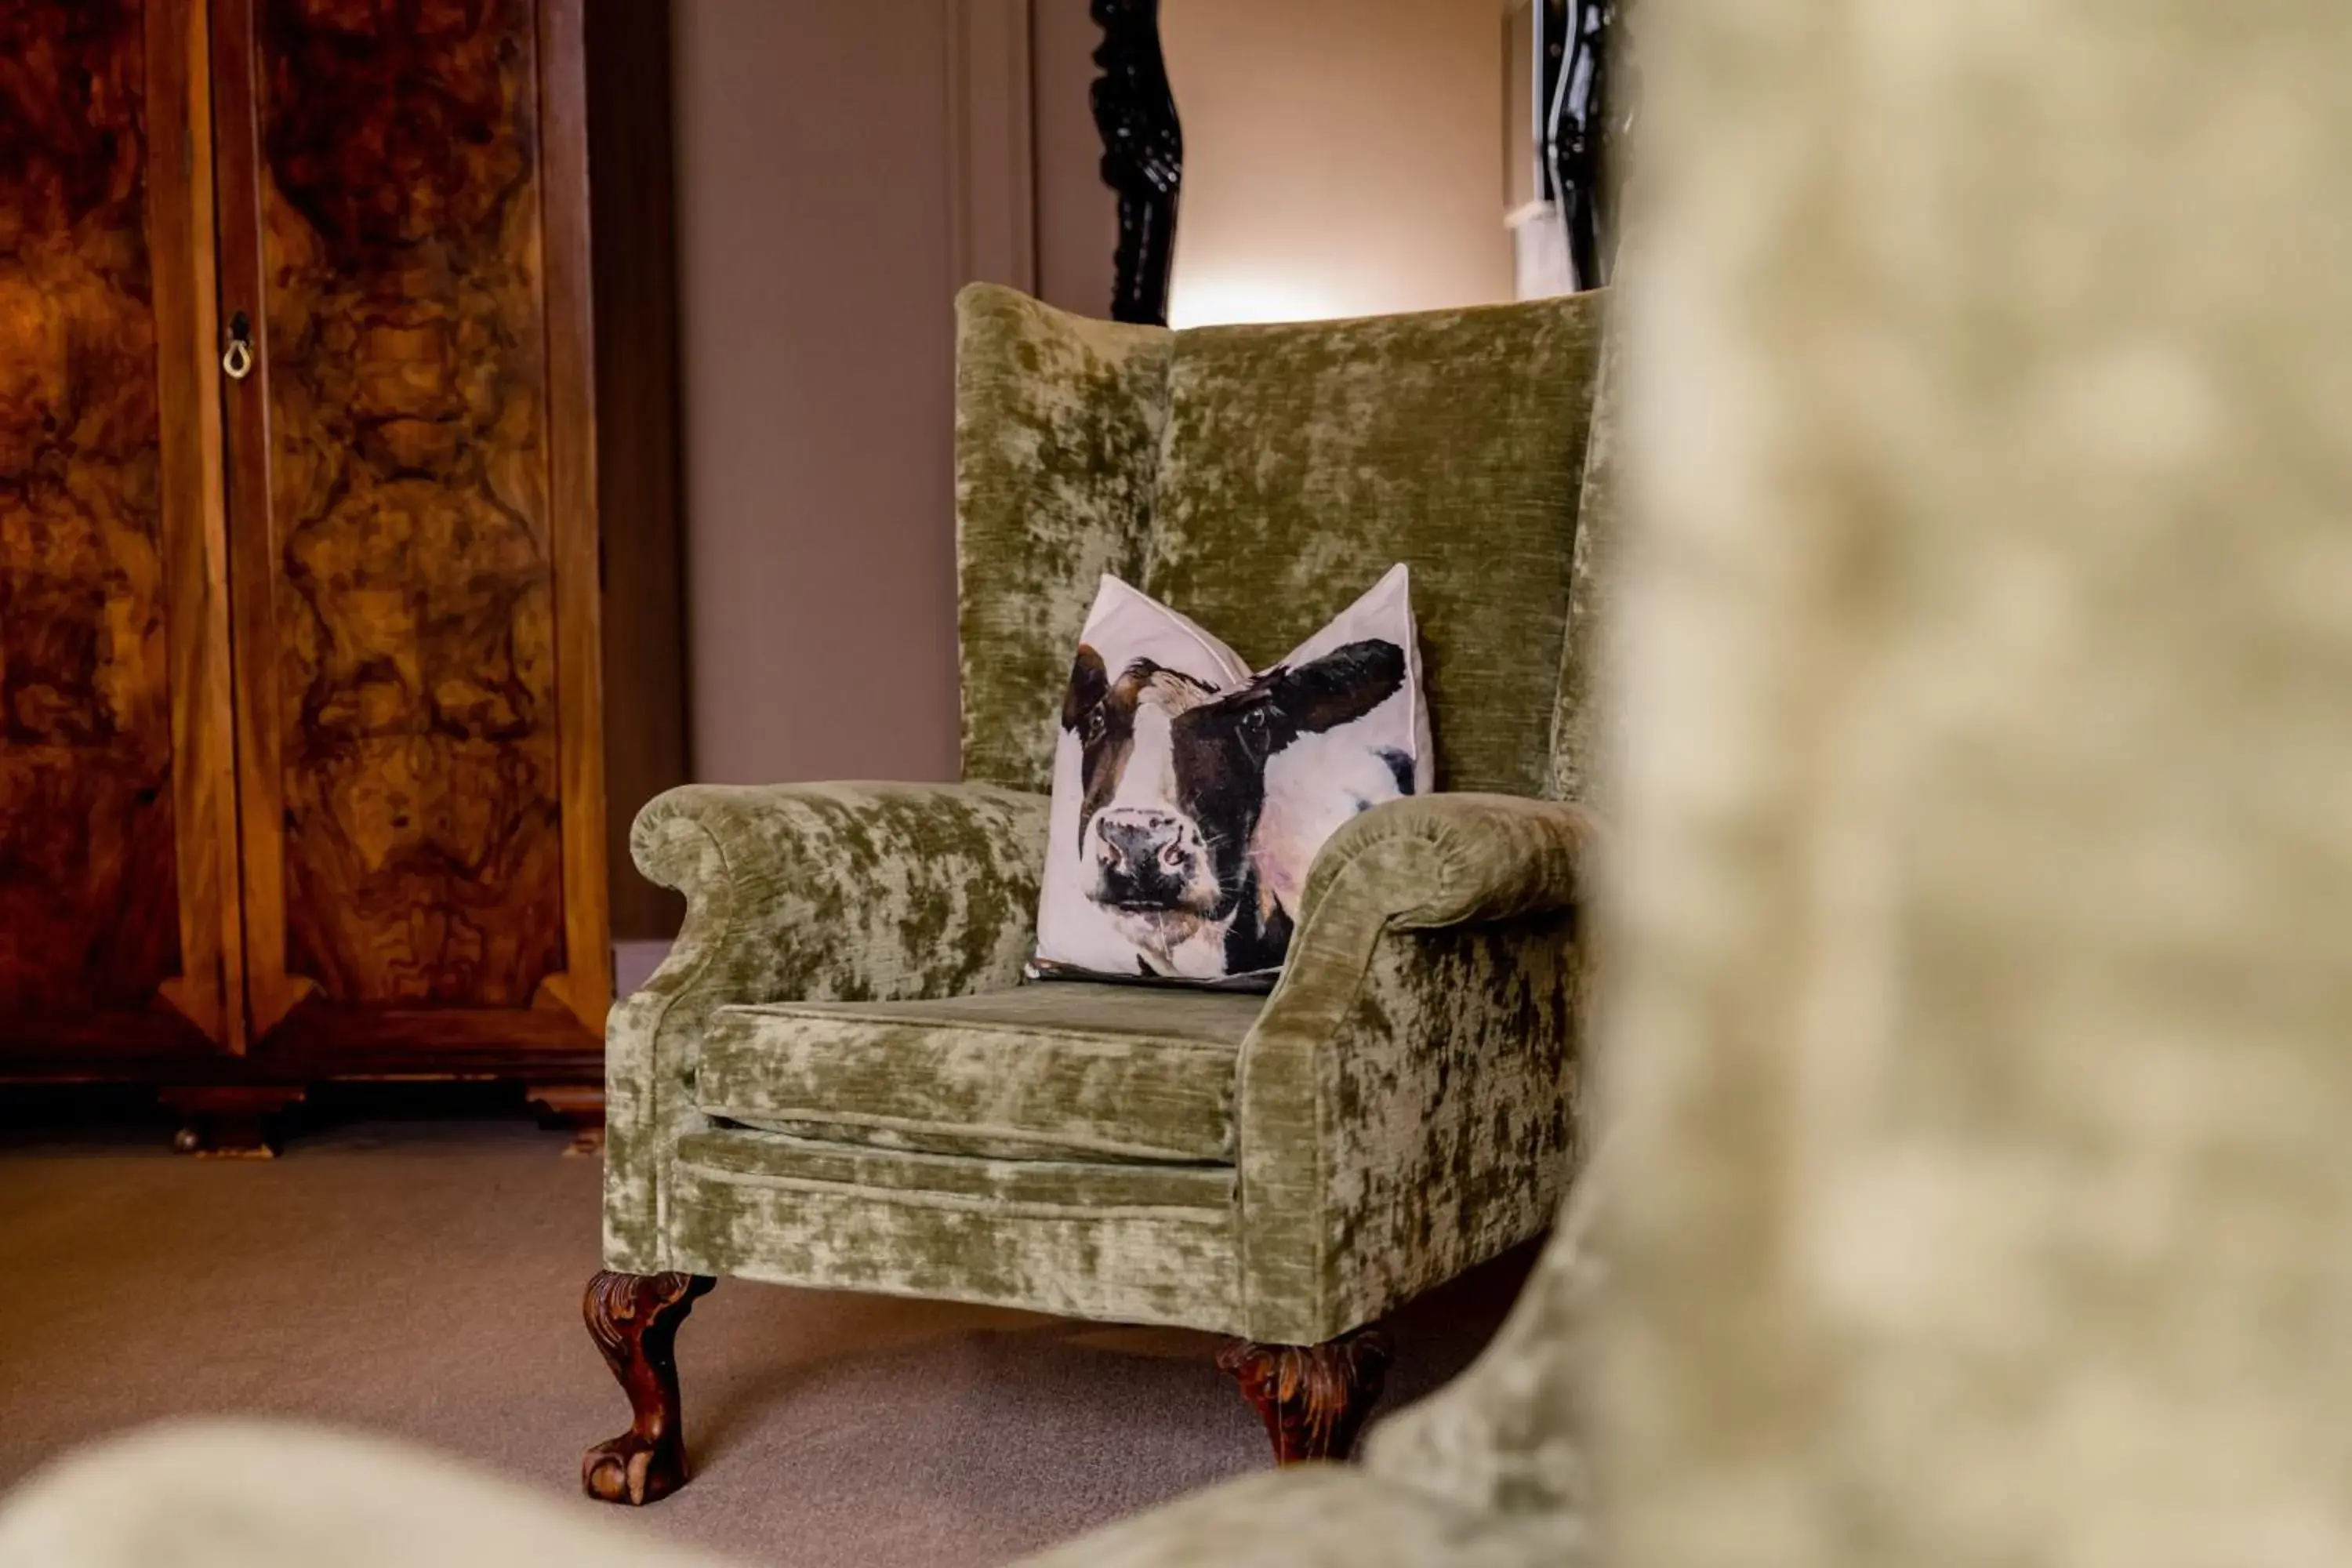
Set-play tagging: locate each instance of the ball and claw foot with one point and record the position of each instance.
(634, 1318)
(632, 1470)
(1312, 1398)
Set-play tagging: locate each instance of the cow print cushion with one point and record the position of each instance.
(1190, 795)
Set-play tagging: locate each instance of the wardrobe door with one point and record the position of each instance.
(402, 199)
(117, 889)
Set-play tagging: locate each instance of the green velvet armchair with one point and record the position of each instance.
(838, 1077)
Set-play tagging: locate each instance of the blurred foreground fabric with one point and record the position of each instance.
(1981, 1038)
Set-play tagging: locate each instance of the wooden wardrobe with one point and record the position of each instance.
(300, 749)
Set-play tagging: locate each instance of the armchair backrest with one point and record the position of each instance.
(1260, 477)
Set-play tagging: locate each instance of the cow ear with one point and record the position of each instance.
(1089, 684)
(1338, 689)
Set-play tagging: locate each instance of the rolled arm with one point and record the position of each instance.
(856, 891)
(1452, 859)
(1406, 1100)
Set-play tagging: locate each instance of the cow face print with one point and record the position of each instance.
(1191, 794)
(1174, 775)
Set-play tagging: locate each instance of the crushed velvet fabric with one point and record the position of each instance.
(1400, 1108)
(1984, 1020)
(855, 891)
(1407, 1102)
(1509, 1437)
(1127, 1262)
(1300, 461)
(1579, 745)
(1056, 1071)
(1058, 423)
(1490, 1471)
(1263, 477)
(1322, 1516)
(748, 1152)
(1403, 1103)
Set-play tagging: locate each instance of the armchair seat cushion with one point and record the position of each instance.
(1061, 1071)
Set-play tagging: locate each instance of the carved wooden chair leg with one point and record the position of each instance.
(1313, 1398)
(634, 1318)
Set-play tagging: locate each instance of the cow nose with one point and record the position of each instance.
(1135, 841)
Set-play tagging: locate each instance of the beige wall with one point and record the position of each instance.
(1341, 157)
(817, 347)
(1344, 150)
(1078, 216)
(817, 253)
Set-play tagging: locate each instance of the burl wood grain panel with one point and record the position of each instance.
(88, 902)
(408, 400)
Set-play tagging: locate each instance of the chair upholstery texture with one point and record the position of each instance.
(838, 1077)
(1258, 479)
(1037, 1072)
(1058, 423)
(808, 890)
(1301, 461)
(1491, 1471)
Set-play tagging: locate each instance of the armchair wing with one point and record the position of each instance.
(849, 892)
(1406, 1101)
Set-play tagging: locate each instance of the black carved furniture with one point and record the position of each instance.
(1143, 155)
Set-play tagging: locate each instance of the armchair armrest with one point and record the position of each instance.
(852, 891)
(1406, 1100)
(1452, 859)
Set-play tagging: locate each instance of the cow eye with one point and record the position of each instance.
(1254, 730)
(1095, 723)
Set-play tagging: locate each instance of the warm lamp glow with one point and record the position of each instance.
(1217, 301)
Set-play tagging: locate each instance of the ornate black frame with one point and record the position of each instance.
(1586, 115)
(1144, 154)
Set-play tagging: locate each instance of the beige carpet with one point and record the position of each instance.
(421, 1278)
